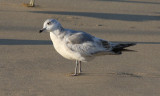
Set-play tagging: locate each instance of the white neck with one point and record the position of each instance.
(59, 33)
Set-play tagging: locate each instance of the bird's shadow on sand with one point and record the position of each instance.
(110, 16)
(123, 74)
(48, 42)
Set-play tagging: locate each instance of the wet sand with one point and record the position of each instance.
(29, 65)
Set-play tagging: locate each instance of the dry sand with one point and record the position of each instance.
(29, 65)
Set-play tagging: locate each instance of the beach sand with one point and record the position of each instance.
(30, 66)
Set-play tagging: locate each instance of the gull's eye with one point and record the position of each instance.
(49, 23)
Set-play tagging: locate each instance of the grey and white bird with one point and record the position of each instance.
(79, 46)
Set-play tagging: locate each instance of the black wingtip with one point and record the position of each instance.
(121, 47)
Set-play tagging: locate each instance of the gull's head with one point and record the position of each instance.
(50, 25)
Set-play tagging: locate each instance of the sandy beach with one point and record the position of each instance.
(30, 66)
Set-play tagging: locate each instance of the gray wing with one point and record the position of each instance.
(80, 37)
(87, 45)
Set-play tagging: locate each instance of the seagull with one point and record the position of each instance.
(78, 45)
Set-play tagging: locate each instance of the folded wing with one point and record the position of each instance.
(88, 45)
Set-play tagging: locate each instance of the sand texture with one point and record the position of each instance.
(30, 66)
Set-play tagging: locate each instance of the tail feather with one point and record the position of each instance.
(116, 47)
(121, 46)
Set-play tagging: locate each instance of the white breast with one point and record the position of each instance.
(62, 49)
